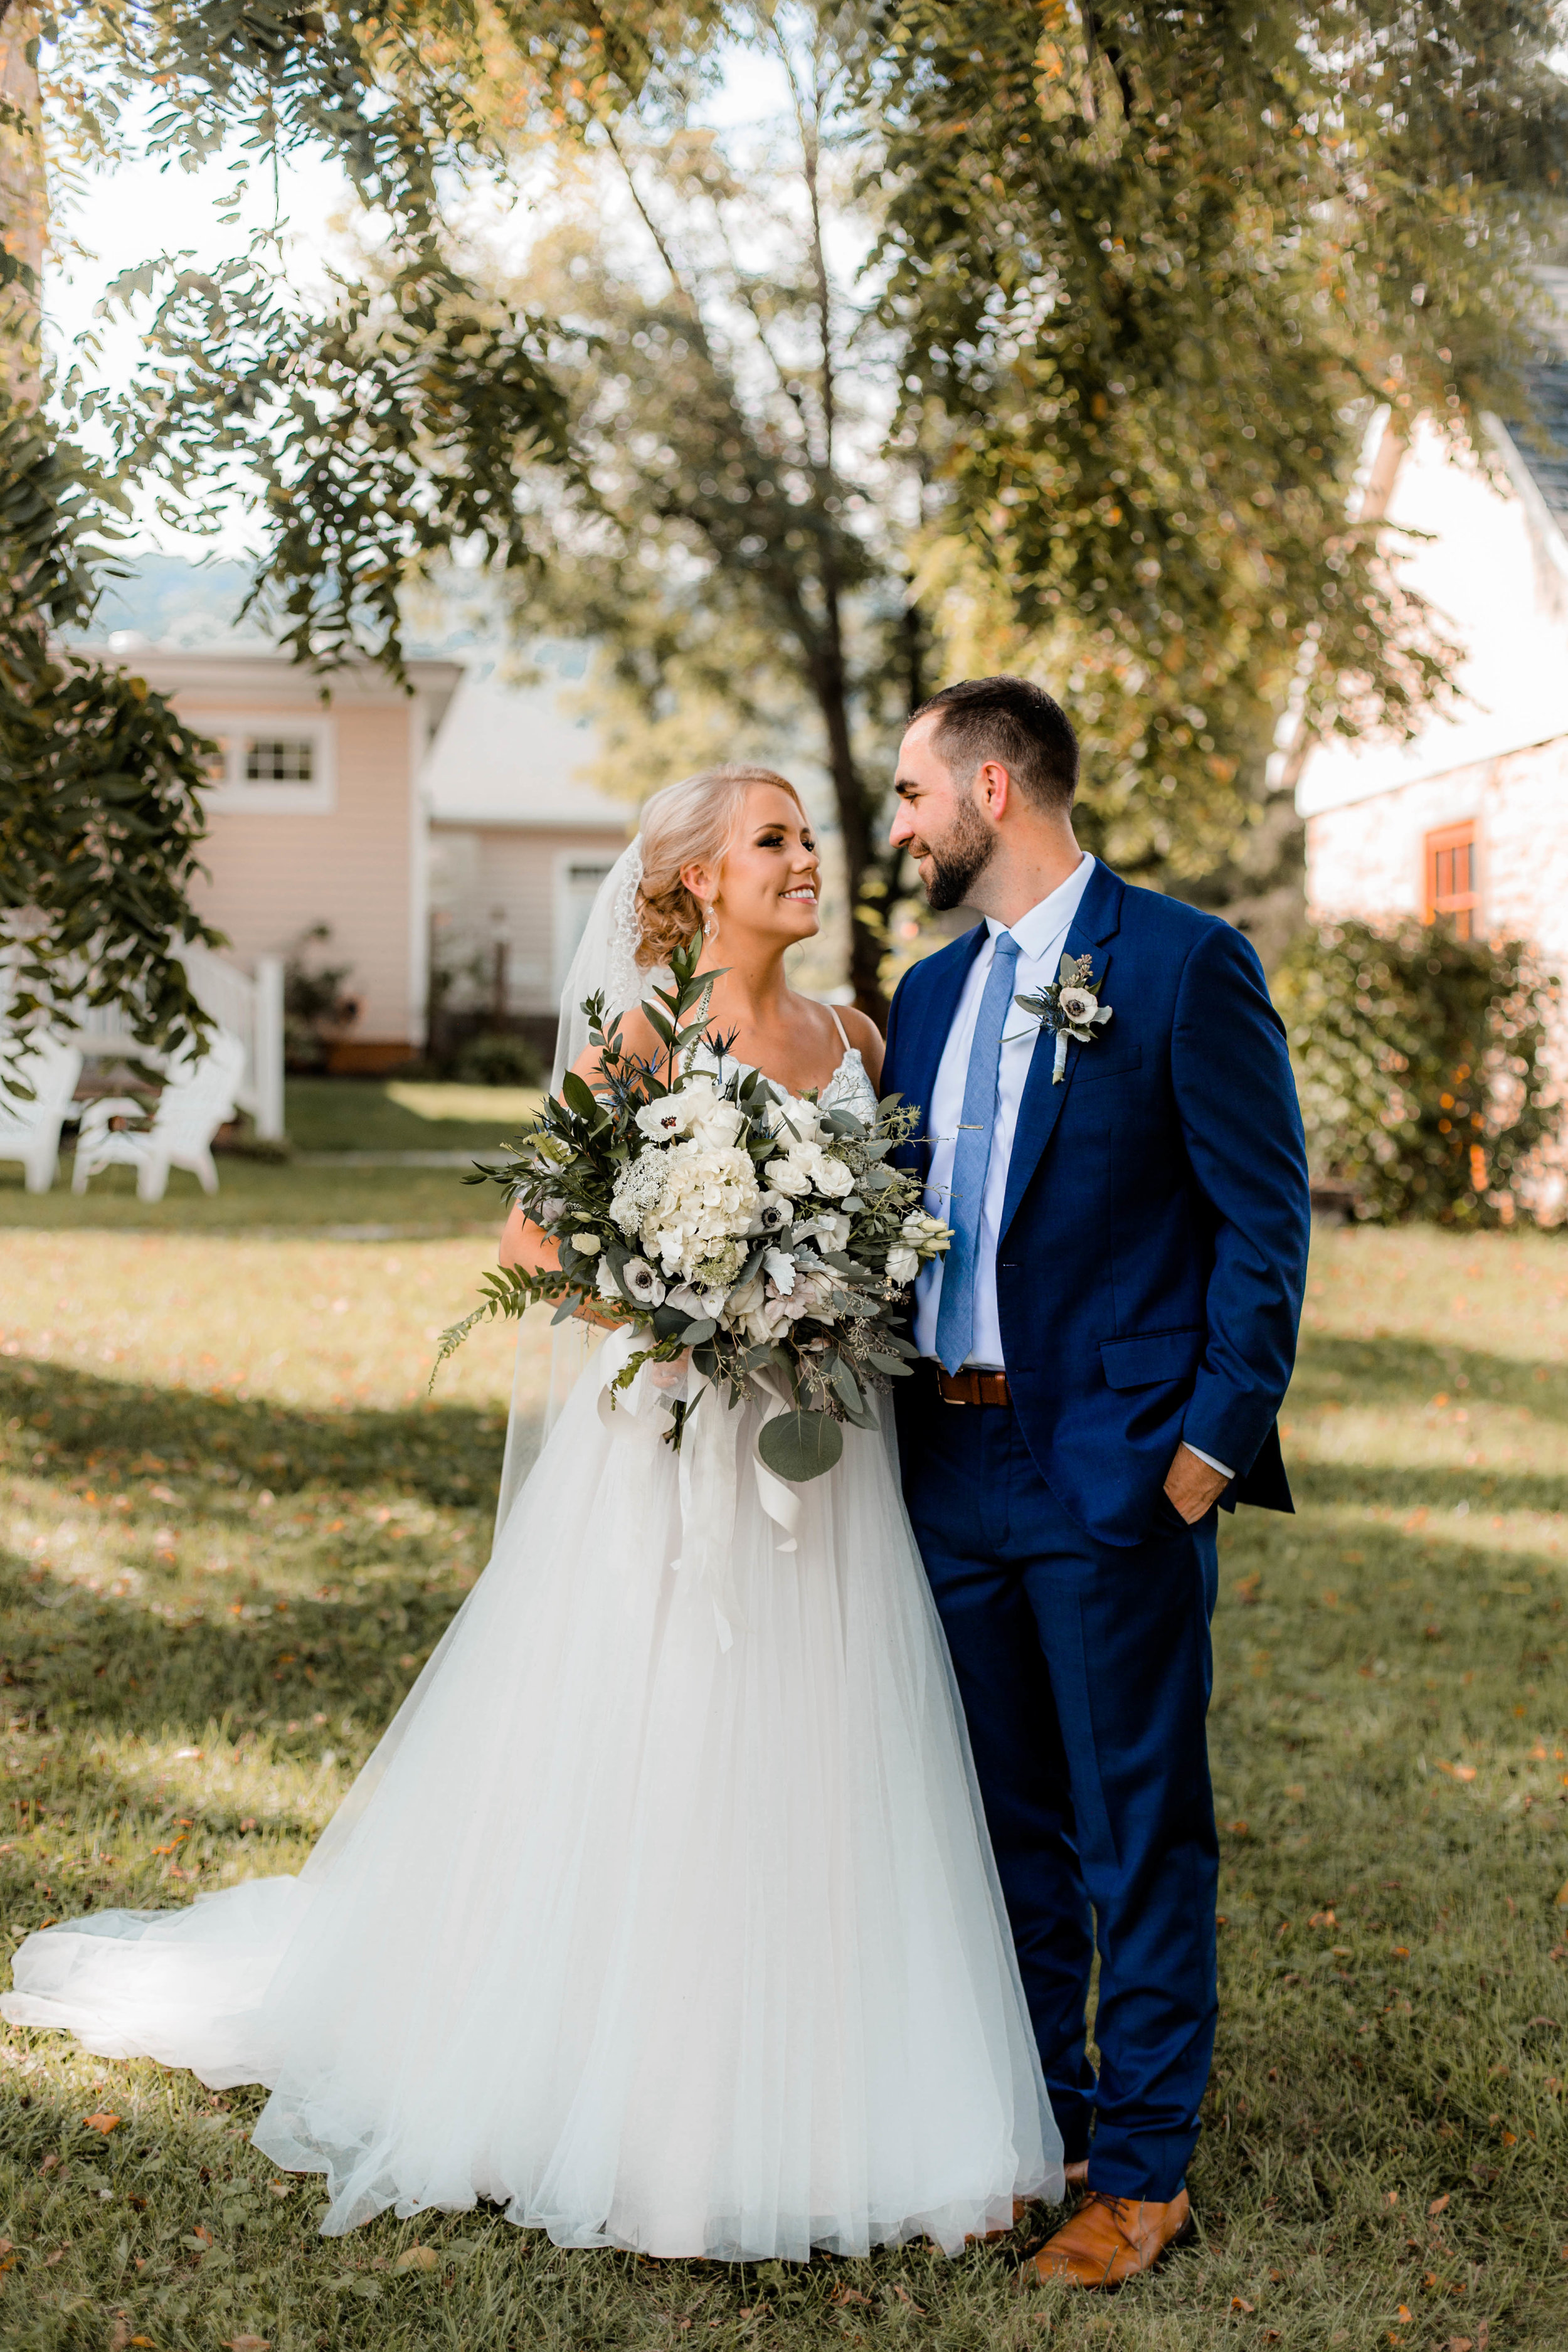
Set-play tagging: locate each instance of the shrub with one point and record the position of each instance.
(315, 1007)
(1419, 1059)
(498, 1060)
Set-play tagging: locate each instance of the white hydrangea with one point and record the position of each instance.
(688, 1203)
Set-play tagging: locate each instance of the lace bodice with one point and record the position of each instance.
(849, 1088)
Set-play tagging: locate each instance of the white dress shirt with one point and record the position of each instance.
(1041, 935)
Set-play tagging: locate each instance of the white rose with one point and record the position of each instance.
(719, 1127)
(832, 1177)
(788, 1176)
(586, 1245)
(793, 1118)
(902, 1264)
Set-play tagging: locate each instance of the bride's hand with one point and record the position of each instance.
(670, 1373)
(589, 1311)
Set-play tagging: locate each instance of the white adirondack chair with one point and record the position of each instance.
(198, 1095)
(30, 1131)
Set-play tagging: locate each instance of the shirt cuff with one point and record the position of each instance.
(1223, 1467)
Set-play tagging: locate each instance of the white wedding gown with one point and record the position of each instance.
(658, 1943)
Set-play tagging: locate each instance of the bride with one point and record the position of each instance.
(658, 1942)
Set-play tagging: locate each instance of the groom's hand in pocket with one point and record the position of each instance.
(1191, 1484)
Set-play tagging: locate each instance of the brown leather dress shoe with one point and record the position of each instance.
(1110, 2239)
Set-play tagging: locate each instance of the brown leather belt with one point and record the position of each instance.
(972, 1386)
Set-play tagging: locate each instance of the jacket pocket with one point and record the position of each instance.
(1097, 1062)
(1139, 1362)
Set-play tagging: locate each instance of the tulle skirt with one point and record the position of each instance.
(658, 1943)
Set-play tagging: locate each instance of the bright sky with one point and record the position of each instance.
(125, 217)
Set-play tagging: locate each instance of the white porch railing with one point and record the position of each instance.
(250, 1009)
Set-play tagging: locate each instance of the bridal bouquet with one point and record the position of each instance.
(764, 1234)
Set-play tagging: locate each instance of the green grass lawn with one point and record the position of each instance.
(397, 1115)
(232, 1527)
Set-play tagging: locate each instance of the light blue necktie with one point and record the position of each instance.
(972, 1157)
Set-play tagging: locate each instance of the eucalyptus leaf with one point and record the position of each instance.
(801, 1445)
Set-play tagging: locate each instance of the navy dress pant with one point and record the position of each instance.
(1085, 1672)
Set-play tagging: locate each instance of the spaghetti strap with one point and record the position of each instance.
(843, 1034)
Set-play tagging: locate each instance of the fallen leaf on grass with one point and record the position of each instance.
(416, 2258)
(840, 2295)
(142, 2343)
(1240, 2303)
(1405, 2314)
(248, 2344)
(104, 2123)
(1562, 1903)
(905, 2297)
(1438, 2205)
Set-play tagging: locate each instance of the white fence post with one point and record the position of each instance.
(267, 1046)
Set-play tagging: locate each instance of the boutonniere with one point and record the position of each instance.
(1068, 1008)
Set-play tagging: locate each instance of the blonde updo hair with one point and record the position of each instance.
(689, 823)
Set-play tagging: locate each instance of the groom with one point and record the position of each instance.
(1103, 1351)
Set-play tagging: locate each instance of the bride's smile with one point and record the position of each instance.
(761, 894)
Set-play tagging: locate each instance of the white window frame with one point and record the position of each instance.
(560, 951)
(230, 791)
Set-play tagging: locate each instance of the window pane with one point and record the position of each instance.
(280, 760)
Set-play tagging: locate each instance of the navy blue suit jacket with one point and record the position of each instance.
(1153, 1247)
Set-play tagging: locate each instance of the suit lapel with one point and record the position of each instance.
(1098, 919)
(919, 1060)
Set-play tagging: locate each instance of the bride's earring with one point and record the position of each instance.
(710, 925)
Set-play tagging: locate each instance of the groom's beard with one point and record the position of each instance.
(960, 858)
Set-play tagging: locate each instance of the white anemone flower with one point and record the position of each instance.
(640, 1282)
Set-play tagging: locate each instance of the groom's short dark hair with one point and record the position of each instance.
(1008, 719)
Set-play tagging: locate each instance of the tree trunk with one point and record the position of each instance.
(856, 803)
